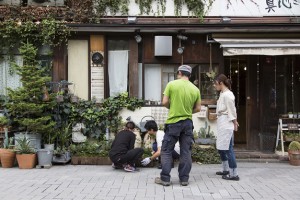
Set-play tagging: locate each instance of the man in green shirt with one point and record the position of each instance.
(183, 99)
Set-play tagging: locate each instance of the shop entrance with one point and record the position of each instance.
(236, 70)
(266, 88)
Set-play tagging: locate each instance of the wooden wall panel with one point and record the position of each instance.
(196, 51)
(97, 42)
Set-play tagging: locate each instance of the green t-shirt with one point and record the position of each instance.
(183, 95)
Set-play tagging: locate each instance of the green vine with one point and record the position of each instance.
(144, 6)
(47, 32)
(102, 7)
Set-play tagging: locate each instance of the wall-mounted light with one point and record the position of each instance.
(131, 20)
(182, 37)
(180, 50)
(138, 38)
(225, 20)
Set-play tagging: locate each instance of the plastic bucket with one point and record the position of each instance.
(44, 157)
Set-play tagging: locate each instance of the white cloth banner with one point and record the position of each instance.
(117, 72)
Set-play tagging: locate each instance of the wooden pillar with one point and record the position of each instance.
(133, 69)
(60, 66)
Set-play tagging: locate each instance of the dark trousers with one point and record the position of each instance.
(182, 131)
(131, 157)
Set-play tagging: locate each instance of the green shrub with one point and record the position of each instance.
(205, 155)
(294, 146)
(91, 148)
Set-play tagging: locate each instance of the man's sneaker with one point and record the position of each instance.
(184, 183)
(129, 168)
(232, 178)
(161, 182)
(222, 173)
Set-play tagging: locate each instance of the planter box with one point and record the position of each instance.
(10, 2)
(94, 160)
(46, 3)
(205, 141)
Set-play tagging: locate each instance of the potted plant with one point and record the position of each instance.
(61, 153)
(295, 115)
(3, 123)
(29, 113)
(288, 136)
(8, 155)
(205, 135)
(26, 156)
(294, 153)
(290, 114)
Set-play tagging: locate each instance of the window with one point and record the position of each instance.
(157, 77)
(9, 78)
(202, 76)
(118, 66)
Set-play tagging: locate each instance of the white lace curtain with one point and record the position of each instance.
(118, 71)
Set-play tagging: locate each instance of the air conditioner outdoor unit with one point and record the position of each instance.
(163, 46)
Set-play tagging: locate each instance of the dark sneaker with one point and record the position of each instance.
(222, 173)
(232, 178)
(117, 166)
(184, 183)
(161, 182)
(159, 166)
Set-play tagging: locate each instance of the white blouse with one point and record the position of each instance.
(226, 106)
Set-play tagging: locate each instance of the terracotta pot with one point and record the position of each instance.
(8, 157)
(26, 161)
(294, 157)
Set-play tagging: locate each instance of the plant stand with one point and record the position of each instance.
(63, 158)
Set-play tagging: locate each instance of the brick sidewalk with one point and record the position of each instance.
(258, 181)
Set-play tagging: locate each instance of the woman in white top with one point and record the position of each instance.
(226, 125)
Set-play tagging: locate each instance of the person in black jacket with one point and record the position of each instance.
(122, 153)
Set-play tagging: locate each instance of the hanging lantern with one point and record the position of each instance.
(45, 95)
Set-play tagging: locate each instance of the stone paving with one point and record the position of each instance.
(258, 181)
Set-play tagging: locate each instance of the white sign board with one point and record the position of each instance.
(97, 83)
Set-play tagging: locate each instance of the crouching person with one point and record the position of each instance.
(122, 153)
(152, 129)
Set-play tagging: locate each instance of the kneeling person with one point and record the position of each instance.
(122, 153)
(152, 129)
